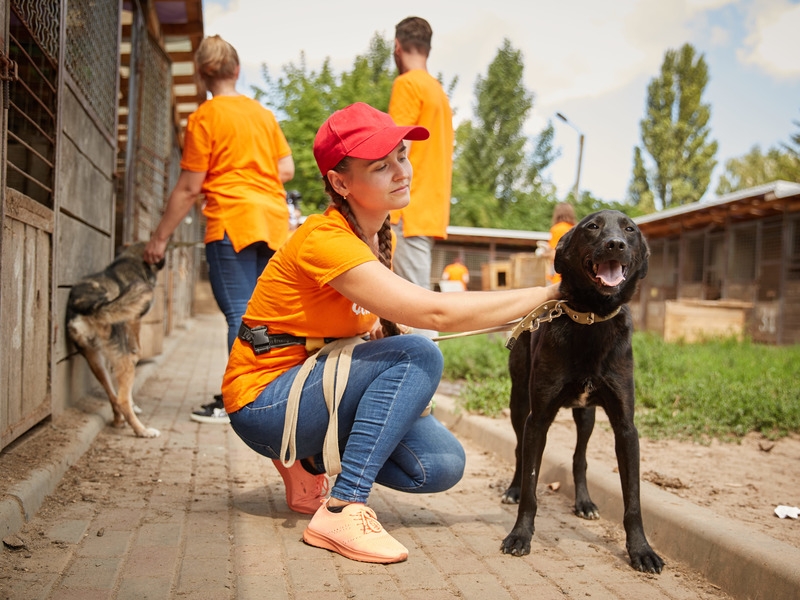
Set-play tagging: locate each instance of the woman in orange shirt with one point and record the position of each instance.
(237, 156)
(333, 279)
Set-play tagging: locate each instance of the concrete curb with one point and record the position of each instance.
(744, 563)
(22, 501)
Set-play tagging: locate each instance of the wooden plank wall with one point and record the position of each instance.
(84, 241)
(25, 269)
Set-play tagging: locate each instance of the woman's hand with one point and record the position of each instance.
(376, 332)
(154, 251)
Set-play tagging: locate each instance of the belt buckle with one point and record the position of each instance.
(260, 340)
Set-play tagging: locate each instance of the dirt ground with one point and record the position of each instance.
(744, 481)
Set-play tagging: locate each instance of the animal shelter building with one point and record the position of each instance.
(95, 96)
(728, 266)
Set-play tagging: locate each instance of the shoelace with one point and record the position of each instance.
(369, 520)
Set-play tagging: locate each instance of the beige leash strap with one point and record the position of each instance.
(449, 336)
(334, 381)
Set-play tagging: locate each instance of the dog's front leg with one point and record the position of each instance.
(519, 368)
(518, 542)
(626, 438)
(584, 421)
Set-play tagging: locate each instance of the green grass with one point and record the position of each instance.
(716, 389)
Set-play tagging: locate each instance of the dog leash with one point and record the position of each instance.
(534, 319)
(544, 313)
(334, 380)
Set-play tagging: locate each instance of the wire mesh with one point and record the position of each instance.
(42, 18)
(91, 54)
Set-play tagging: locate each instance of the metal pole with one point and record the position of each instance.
(578, 176)
(576, 189)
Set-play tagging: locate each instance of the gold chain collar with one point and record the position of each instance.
(544, 313)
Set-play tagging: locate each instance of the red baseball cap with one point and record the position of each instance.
(360, 131)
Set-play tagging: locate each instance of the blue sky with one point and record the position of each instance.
(590, 60)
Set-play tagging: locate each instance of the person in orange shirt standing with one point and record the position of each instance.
(237, 156)
(418, 99)
(563, 220)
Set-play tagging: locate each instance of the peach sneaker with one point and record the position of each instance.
(355, 533)
(304, 492)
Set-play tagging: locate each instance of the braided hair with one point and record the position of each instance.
(384, 254)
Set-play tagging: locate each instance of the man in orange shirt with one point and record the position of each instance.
(419, 99)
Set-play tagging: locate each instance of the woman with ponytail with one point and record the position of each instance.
(331, 286)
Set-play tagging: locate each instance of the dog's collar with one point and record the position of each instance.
(544, 313)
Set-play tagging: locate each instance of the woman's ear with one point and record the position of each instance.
(337, 183)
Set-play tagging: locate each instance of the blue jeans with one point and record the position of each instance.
(233, 277)
(382, 438)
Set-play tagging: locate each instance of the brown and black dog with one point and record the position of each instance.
(568, 363)
(104, 313)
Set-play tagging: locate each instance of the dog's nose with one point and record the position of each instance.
(615, 244)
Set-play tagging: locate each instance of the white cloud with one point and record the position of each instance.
(773, 43)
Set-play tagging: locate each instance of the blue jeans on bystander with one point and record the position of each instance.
(233, 277)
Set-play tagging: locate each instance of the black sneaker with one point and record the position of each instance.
(213, 412)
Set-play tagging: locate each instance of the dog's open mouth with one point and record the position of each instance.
(610, 273)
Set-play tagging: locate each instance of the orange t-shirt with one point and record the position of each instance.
(293, 296)
(419, 99)
(556, 233)
(238, 143)
(455, 272)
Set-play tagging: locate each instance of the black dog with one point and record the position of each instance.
(582, 360)
(104, 313)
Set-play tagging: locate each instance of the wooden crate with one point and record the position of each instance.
(694, 320)
(496, 275)
(528, 270)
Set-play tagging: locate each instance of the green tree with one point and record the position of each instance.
(756, 168)
(495, 182)
(639, 193)
(302, 99)
(794, 147)
(370, 80)
(675, 130)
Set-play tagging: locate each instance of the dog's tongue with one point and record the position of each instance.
(610, 273)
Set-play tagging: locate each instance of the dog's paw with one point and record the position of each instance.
(647, 561)
(149, 432)
(511, 496)
(587, 510)
(516, 545)
(136, 409)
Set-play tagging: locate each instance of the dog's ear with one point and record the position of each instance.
(157, 266)
(645, 253)
(559, 263)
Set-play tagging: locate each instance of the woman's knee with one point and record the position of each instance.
(424, 353)
(448, 470)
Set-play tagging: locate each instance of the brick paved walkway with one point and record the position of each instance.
(196, 514)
